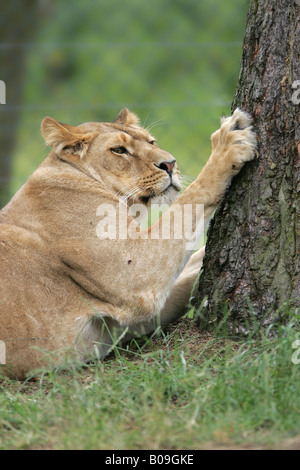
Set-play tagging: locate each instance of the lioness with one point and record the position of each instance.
(65, 291)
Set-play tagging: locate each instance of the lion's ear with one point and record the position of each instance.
(127, 118)
(65, 139)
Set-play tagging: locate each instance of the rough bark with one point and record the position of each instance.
(16, 29)
(252, 262)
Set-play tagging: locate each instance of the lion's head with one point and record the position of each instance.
(121, 155)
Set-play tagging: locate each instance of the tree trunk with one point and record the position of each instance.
(17, 24)
(252, 262)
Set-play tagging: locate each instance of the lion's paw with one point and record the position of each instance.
(235, 142)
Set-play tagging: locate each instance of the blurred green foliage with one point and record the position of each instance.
(175, 63)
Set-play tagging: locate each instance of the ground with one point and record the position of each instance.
(181, 389)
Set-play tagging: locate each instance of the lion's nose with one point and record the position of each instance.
(167, 166)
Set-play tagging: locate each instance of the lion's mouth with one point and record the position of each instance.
(173, 184)
(165, 192)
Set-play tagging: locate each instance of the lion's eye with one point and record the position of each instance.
(119, 150)
(152, 142)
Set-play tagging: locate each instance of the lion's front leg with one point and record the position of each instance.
(232, 145)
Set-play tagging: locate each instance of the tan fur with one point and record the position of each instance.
(65, 293)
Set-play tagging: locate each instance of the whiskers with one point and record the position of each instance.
(130, 191)
(186, 181)
(153, 124)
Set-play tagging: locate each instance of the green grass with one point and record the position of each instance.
(182, 389)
